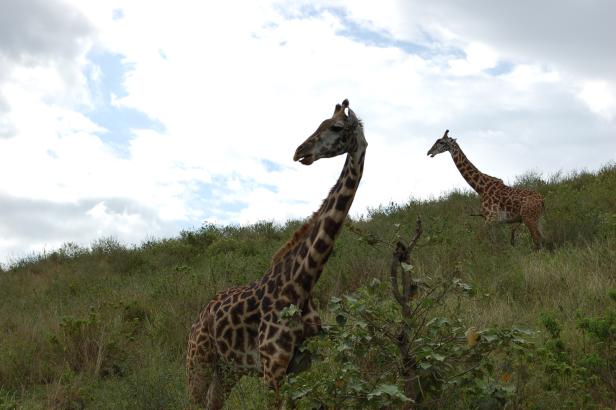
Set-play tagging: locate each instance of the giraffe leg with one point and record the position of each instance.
(535, 233)
(216, 392)
(514, 228)
(486, 231)
(531, 214)
(275, 367)
(204, 380)
(311, 320)
(489, 212)
(276, 346)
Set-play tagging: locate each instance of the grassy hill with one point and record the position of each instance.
(106, 327)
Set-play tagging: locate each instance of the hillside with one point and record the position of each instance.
(106, 327)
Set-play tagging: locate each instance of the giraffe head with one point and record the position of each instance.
(442, 145)
(335, 136)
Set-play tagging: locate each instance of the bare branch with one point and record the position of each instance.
(407, 280)
(418, 232)
(399, 254)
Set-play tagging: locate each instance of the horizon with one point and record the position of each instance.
(554, 178)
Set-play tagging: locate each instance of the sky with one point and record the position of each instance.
(138, 119)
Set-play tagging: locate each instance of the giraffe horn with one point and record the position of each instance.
(446, 135)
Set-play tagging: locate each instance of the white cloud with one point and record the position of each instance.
(599, 96)
(235, 83)
(525, 76)
(479, 57)
(573, 35)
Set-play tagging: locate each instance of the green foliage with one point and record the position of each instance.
(250, 393)
(601, 332)
(551, 325)
(91, 346)
(357, 363)
(592, 369)
(580, 207)
(7, 400)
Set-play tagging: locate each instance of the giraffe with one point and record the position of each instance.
(243, 326)
(499, 202)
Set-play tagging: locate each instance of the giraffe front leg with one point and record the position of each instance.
(276, 345)
(489, 211)
(485, 231)
(275, 365)
(311, 326)
(311, 320)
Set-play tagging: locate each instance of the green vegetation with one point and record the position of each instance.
(106, 327)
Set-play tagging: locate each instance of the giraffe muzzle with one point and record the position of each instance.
(302, 156)
(306, 160)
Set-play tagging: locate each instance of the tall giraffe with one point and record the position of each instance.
(243, 326)
(499, 202)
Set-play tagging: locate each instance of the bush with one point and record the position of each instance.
(356, 363)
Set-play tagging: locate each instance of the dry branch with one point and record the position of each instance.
(401, 262)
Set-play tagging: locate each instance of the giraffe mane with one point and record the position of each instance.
(297, 236)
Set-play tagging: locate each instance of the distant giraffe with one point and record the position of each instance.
(499, 202)
(243, 326)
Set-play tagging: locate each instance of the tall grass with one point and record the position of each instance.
(106, 326)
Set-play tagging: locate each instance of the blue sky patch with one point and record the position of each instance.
(303, 11)
(117, 14)
(361, 34)
(207, 196)
(221, 182)
(118, 121)
(502, 67)
(364, 35)
(113, 69)
(271, 166)
(52, 154)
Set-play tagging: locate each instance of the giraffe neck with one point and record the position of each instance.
(475, 178)
(313, 251)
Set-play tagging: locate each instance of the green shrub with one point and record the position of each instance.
(356, 364)
(601, 332)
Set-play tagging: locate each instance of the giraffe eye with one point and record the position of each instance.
(336, 127)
